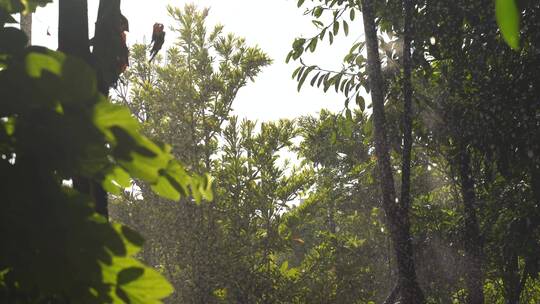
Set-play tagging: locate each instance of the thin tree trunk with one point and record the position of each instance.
(407, 107)
(398, 217)
(511, 276)
(512, 282)
(73, 40)
(392, 297)
(474, 278)
(26, 26)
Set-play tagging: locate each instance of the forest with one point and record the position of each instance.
(126, 176)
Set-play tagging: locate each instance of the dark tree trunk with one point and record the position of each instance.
(73, 28)
(474, 278)
(107, 44)
(397, 215)
(511, 278)
(407, 106)
(392, 297)
(513, 281)
(73, 40)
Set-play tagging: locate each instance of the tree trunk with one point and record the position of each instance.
(107, 43)
(407, 106)
(73, 40)
(73, 28)
(26, 26)
(510, 277)
(513, 282)
(397, 215)
(472, 244)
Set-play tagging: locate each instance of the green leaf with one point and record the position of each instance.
(321, 79)
(132, 286)
(317, 12)
(284, 267)
(165, 188)
(352, 14)
(335, 28)
(132, 239)
(346, 28)
(178, 177)
(321, 35)
(508, 19)
(37, 64)
(9, 125)
(314, 79)
(304, 76)
(337, 80)
(313, 45)
(108, 115)
(361, 102)
(116, 180)
(296, 71)
(205, 187)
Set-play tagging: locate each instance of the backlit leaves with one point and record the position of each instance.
(56, 126)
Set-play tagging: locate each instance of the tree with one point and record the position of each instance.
(372, 78)
(191, 92)
(338, 245)
(397, 214)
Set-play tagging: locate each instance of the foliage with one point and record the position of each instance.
(274, 230)
(456, 51)
(217, 250)
(15, 6)
(56, 126)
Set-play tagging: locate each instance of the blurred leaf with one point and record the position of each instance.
(508, 19)
(37, 64)
(128, 275)
(12, 40)
(16, 6)
(116, 180)
(5, 17)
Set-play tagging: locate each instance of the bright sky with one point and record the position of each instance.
(270, 24)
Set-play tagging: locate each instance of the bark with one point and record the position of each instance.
(511, 278)
(73, 40)
(513, 281)
(474, 278)
(407, 107)
(26, 26)
(73, 28)
(397, 215)
(107, 43)
(392, 297)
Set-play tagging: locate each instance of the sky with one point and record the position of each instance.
(271, 24)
